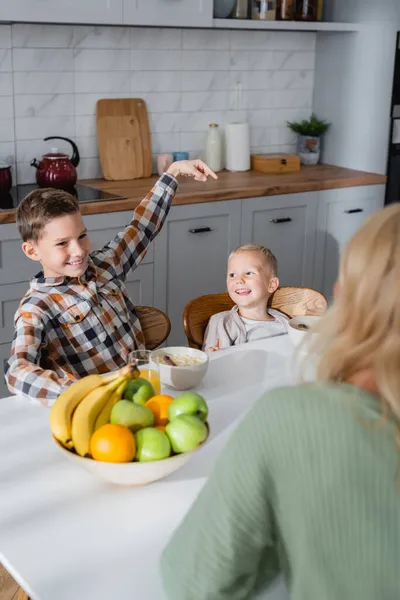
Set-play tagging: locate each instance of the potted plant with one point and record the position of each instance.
(309, 133)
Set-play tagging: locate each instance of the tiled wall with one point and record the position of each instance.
(52, 75)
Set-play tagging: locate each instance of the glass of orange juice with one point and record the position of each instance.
(148, 370)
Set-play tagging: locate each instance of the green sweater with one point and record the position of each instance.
(309, 484)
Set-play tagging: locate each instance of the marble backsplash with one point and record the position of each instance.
(52, 75)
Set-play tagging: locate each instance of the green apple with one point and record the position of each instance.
(152, 444)
(139, 391)
(131, 415)
(188, 403)
(186, 432)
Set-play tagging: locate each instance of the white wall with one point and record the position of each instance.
(353, 87)
(51, 77)
(353, 82)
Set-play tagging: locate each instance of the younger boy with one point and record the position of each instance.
(251, 279)
(77, 318)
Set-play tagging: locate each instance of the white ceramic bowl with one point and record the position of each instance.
(298, 335)
(132, 473)
(181, 378)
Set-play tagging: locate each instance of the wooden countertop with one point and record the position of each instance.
(229, 186)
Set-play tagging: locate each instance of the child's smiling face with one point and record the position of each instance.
(63, 248)
(250, 281)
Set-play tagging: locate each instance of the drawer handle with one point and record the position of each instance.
(351, 211)
(200, 230)
(283, 220)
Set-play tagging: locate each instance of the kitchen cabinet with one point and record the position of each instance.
(60, 11)
(168, 13)
(14, 265)
(286, 225)
(11, 295)
(191, 255)
(340, 214)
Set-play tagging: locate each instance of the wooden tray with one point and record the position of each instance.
(123, 136)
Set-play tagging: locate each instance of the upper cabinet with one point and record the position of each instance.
(60, 11)
(168, 13)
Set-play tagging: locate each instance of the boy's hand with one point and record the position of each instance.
(214, 348)
(191, 168)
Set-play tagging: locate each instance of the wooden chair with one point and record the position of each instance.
(292, 301)
(155, 325)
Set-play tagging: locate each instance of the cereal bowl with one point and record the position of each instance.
(299, 327)
(191, 366)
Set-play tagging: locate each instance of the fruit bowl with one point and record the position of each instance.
(131, 473)
(295, 330)
(181, 377)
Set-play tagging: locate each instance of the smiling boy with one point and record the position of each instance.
(77, 317)
(251, 279)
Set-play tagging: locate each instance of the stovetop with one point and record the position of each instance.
(82, 192)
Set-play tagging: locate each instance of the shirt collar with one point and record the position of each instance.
(40, 281)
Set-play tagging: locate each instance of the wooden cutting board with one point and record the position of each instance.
(123, 136)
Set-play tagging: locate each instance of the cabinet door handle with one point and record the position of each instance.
(200, 230)
(351, 211)
(283, 220)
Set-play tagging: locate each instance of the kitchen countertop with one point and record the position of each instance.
(229, 186)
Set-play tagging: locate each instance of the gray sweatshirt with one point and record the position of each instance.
(231, 330)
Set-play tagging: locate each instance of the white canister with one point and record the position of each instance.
(213, 151)
(237, 147)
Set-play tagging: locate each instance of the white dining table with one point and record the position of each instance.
(66, 535)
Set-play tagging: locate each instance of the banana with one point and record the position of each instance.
(66, 403)
(85, 415)
(104, 416)
(63, 408)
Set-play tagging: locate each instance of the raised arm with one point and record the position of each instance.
(129, 247)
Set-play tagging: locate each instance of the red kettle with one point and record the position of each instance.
(56, 169)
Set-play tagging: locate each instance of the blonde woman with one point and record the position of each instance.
(309, 484)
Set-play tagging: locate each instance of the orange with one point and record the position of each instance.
(113, 443)
(161, 427)
(159, 407)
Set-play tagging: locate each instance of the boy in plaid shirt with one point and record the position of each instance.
(77, 318)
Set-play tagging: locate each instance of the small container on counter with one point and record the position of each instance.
(213, 150)
(306, 10)
(284, 10)
(320, 10)
(263, 10)
(241, 9)
(164, 161)
(181, 156)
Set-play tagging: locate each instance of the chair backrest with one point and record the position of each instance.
(292, 301)
(155, 324)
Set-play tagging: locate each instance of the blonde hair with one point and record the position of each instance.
(362, 329)
(269, 257)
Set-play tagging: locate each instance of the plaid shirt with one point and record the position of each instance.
(66, 328)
